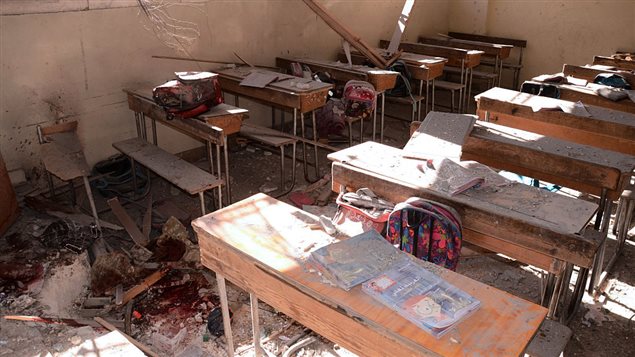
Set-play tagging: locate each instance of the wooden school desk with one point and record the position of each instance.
(519, 44)
(584, 168)
(212, 127)
(586, 95)
(421, 67)
(466, 60)
(258, 244)
(534, 226)
(621, 64)
(284, 94)
(604, 128)
(589, 73)
(498, 51)
(381, 80)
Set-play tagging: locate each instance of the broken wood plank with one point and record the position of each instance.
(144, 285)
(129, 225)
(354, 40)
(59, 320)
(138, 344)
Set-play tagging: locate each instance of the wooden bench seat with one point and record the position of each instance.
(452, 87)
(274, 138)
(414, 100)
(179, 172)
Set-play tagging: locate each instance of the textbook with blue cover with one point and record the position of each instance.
(352, 261)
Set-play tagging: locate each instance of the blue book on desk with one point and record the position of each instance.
(352, 261)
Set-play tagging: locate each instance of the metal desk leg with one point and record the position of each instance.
(433, 91)
(134, 178)
(598, 262)
(91, 200)
(555, 297)
(144, 131)
(381, 130)
(427, 92)
(154, 131)
(222, 293)
(377, 94)
(255, 323)
(578, 293)
(138, 123)
(315, 147)
(469, 91)
(463, 86)
(220, 188)
(201, 196)
(228, 183)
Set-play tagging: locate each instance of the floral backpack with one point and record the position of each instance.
(426, 229)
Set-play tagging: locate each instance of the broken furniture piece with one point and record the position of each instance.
(263, 257)
(179, 172)
(63, 156)
(212, 127)
(275, 139)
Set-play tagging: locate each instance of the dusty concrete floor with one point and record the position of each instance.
(599, 329)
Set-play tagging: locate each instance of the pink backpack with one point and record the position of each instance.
(359, 99)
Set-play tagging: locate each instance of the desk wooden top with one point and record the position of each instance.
(543, 221)
(283, 93)
(470, 58)
(586, 95)
(219, 121)
(489, 49)
(589, 72)
(577, 166)
(421, 67)
(603, 128)
(271, 236)
(615, 62)
(341, 72)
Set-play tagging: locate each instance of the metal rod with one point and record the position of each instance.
(222, 292)
(226, 156)
(91, 200)
(383, 104)
(255, 323)
(202, 199)
(154, 131)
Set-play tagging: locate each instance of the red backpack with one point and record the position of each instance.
(428, 230)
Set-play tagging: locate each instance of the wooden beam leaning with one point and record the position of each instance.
(354, 40)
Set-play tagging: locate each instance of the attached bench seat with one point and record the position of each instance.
(179, 172)
(414, 100)
(452, 87)
(489, 77)
(277, 139)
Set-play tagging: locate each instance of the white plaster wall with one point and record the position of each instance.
(79, 61)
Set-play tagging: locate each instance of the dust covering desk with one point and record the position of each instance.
(283, 93)
(256, 243)
(381, 79)
(603, 128)
(534, 226)
(212, 127)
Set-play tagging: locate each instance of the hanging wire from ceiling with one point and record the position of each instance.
(174, 33)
